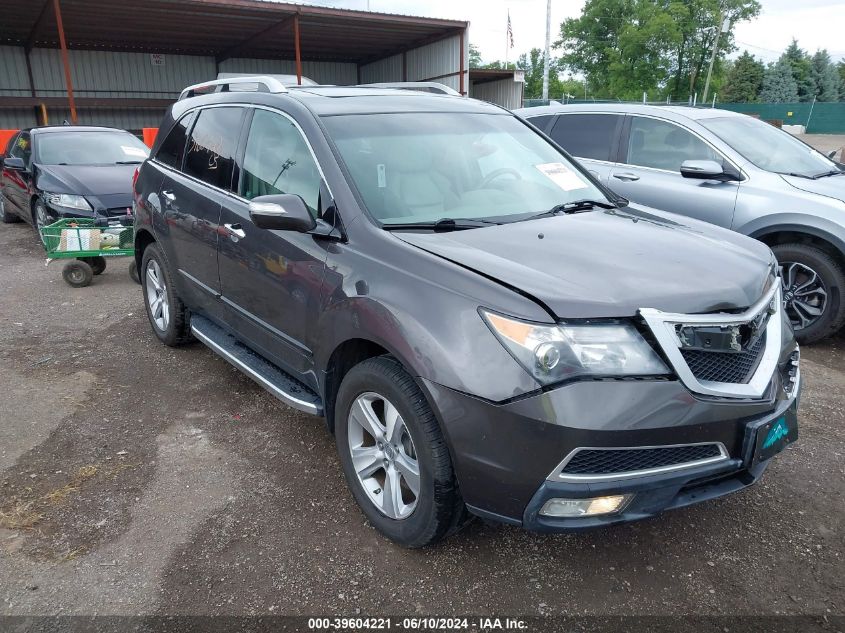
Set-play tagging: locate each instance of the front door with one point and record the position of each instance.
(17, 183)
(271, 280)
(650, 172)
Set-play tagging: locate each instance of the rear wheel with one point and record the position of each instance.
(98, 264)
(394, 457)
(168, 315)
(77, 273)
(6, 216)
(813, 283)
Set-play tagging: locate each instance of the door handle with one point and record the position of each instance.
(626, 176)
(236, 231)
(169, 196)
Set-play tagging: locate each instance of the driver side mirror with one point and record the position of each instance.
(281, 212)
(14, 163)
(705, 170)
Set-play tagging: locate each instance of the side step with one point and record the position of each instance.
(281, 384)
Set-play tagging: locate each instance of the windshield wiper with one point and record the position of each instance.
(442, 225)
(575, 206)
(824, 174)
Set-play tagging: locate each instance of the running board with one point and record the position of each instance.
(279, 383)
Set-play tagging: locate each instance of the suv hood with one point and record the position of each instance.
(830, 186)
(612, 263)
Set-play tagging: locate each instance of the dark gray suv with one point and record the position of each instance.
(485, 327)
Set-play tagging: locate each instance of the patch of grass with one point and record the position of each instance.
(19, 516)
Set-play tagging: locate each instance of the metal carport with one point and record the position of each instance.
(121, 62)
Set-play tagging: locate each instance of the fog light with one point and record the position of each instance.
(584, 507)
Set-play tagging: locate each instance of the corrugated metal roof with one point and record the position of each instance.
(221, 28)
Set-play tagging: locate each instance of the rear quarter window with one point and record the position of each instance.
(172, 148)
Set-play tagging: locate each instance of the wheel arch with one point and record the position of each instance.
(802, 234)
(143, 238)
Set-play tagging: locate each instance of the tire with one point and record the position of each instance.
(798, 262)
(41, 218)
(6, 216)
(98, 264)
(437, 508)
(77, 273)
(133, 272)
(169, 318)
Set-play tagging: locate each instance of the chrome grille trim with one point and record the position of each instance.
(558, 475)
(662, 325)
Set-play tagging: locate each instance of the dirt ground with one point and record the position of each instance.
(138, 479)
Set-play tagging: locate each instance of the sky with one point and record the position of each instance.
(815, 23)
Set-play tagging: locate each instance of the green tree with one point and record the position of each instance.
(532, 65)
(801, 66)
(474, 56)
(743, 80)
(779, 85)
(625, 47)
(826, 80)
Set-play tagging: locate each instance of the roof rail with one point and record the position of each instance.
(269, 84)
(421, 86)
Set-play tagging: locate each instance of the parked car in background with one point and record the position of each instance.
(68, 171)
(484, 325)
(728, 169)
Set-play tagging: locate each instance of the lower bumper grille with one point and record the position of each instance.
(735, 367)
(610, 463)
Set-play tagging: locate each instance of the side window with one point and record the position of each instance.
(210, 155)
(541, 121)
(172, 149)
(23, 148)
(664, 145)
(586, 135)
(277, 160)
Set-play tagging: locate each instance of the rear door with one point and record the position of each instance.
(271, 280)
(591, 137)
(649, 172)
(192, 194)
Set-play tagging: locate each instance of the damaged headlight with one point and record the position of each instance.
(552, 353)
(69, 201)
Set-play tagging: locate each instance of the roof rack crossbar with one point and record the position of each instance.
(265, 84)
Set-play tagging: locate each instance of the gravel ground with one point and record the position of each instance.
(138, 479)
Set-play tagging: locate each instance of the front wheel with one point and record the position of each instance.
(813, 283)
(42, 219)
(394, 457)
(78, 273)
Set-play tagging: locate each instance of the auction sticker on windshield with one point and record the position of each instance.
(562, 176)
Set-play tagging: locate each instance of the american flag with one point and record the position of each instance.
(510, 30)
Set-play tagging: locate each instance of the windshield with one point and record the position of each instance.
(768, 147)
(423, 167)
(90, 148)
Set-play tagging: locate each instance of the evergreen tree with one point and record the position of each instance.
(779, 85)
(825, 77)
(744, 80)
(801, 66)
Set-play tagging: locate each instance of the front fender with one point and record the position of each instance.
(796, 222)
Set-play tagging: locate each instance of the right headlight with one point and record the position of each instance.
(69, 200)
(552, 353)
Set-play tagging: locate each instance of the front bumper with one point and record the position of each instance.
(504, 454)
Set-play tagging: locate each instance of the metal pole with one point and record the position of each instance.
(461, 83)
(719, 30)
(812, 105)
(713, 105)
(65, 61)
(296, 46)
(548, 45)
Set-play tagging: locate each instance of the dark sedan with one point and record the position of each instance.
(68, 171)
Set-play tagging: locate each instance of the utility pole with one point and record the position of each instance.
(548, 43)
(724, 23)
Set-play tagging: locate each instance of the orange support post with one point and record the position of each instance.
(150, 134)
(65, 61)
(298, 52)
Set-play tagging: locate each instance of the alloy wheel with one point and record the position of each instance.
(157, 296)
(42, 219)
(804, 294)
(383, 455)
(2, 206)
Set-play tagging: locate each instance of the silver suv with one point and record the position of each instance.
(729, 169)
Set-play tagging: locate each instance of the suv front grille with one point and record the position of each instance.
(733, 367)
(616, 461)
